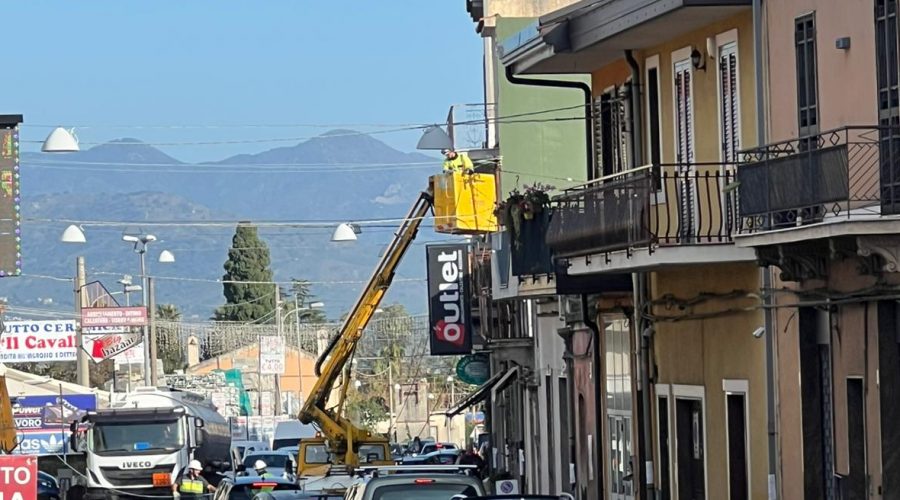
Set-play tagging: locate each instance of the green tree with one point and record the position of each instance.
(170, 348)
(248, 261)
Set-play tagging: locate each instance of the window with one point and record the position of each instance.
(728, 102)
(888, 103)
(619, 408)
(654, 144)
(807, 79)
(610, 131)
(684, 143)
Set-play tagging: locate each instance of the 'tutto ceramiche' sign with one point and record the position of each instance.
(113, 316)
(38, 341)
(449, 298)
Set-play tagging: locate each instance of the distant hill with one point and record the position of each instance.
(355, 177)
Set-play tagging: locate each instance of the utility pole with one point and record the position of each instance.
(82, 371)
(154, 376)
(279, 327)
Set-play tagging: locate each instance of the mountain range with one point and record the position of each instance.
(338, 176)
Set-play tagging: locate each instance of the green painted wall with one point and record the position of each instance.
(539, 151)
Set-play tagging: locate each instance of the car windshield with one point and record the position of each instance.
(274, 460)
(421, 490)
(136, 438)
(250, 490)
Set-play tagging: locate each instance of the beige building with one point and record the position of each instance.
(822, 198)
(681, 379)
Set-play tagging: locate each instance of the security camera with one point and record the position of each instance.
(759, 332)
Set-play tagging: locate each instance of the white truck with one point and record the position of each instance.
(141, 443)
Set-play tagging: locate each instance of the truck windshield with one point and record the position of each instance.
(110, 438)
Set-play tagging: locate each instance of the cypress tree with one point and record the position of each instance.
(248, 261)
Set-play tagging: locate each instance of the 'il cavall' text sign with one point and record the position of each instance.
(113, 316)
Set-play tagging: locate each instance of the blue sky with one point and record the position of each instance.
(93, 64)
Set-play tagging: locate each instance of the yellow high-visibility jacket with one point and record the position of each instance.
(461, 163)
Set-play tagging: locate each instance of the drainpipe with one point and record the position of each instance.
(769, 311)
(588, 106)
(598, 394)
(644, 475)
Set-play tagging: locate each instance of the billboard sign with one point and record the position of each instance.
(18, 477)
(42, 422)
(113, 316)
(449, 297)
(10, 202)
(38, 341)
(112, 345)
(271, 357)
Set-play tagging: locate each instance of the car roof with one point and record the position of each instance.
(438, 478)
(262, 453)
(240, 480)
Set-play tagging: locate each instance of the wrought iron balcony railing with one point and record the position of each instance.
(658, 205)
(851, 172)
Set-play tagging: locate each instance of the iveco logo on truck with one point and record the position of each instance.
(136, 465)
(448, 270)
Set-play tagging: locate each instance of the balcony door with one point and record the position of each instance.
(729, 121)
(886, 57)
(684, 144)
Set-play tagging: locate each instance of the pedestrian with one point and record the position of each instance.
(416, 445)
(191, 484)
(261, 469)
(471, 457)
(457, 162)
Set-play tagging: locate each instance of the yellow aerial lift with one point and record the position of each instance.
(463, 203)
(7, 424)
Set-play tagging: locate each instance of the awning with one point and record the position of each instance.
(496, 383)
(590, 34)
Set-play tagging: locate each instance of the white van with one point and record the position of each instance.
(241, 448)
(289, 434)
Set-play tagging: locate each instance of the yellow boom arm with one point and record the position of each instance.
(7, 424)
(342, 436)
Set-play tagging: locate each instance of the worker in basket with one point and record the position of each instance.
(457, 162)
(191, 484)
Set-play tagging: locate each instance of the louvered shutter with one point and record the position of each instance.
(728, 99)
(684, 118)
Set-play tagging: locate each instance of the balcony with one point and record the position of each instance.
(851, 173)
(647, 208)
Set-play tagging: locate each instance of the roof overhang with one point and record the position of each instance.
(10, 120)
(496, 383)
(590, 34)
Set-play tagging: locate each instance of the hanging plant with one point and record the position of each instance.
(520, 207)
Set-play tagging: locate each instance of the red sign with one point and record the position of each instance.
(113, 316)
(18, 477)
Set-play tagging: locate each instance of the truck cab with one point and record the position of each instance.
(137, 450)
(315, 461)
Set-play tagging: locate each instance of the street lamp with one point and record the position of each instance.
(74, 234)
(345, 232)
(61, 140)
(141, 242)
(297, 310)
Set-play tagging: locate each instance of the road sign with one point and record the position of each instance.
(18, 477)
(113, 316)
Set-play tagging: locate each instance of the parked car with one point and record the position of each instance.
(47, 486)
(240, 448)
(298, 495)
(278, 462)
(415, 484)
(432, 447)
(247, 487)
(440, 457)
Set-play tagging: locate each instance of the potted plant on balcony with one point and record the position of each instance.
(525, 214)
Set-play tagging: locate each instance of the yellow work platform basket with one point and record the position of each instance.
(464, 203)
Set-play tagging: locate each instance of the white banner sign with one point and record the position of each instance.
(271, 358)
(38, 341)
(107, 346)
